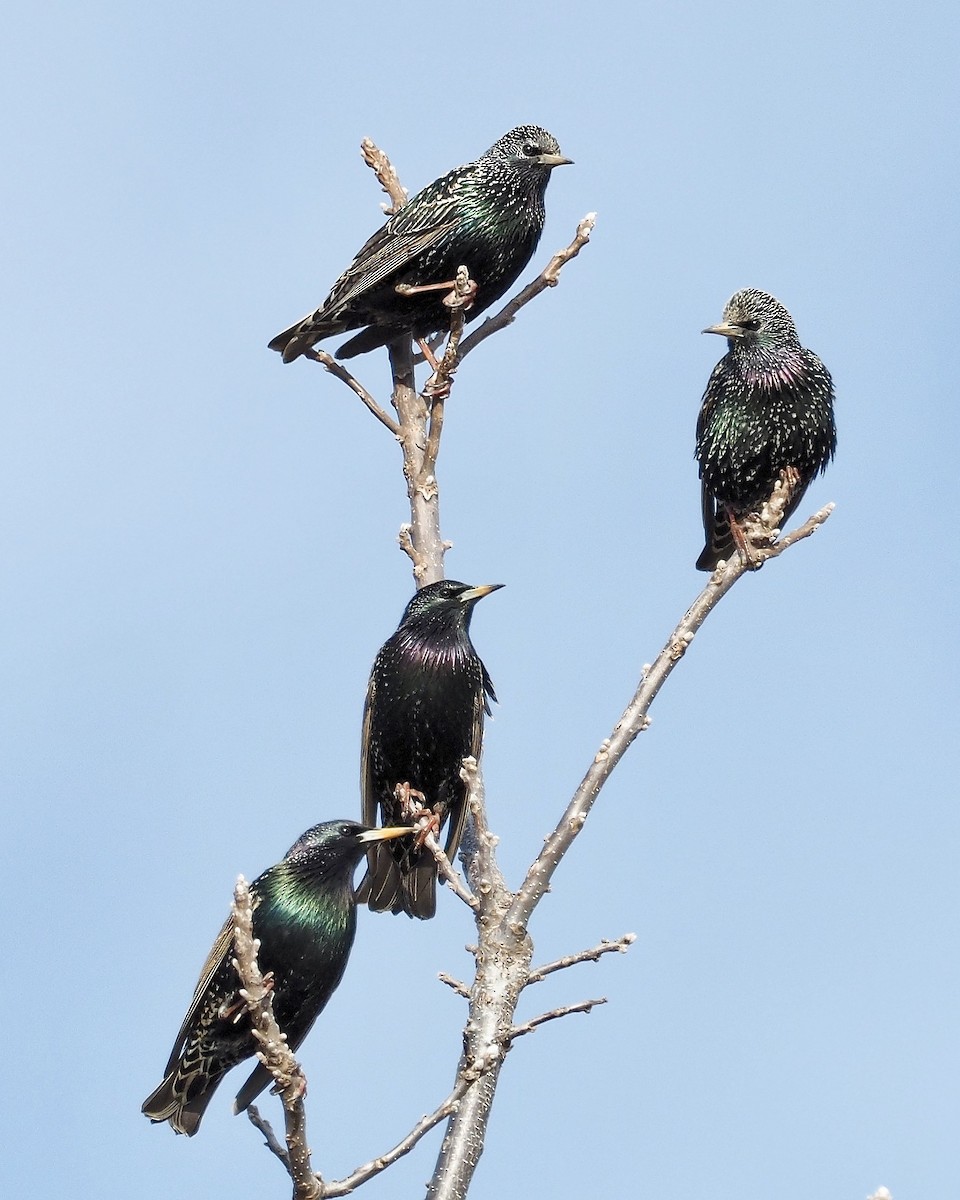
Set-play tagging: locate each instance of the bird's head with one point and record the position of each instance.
(338, 844)
(529, 145)
(755, 318)
(447, 601)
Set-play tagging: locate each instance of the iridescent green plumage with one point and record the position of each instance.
(768, 407)
(305, 917)
(426, 702)
(487, 216)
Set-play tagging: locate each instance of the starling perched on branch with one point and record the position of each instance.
(487, 216)
(305, 917)
(424, 713)
(767, 410)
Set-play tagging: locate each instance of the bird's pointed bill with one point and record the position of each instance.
(477, 593)
(725, 330)
(553, 160)
(386, 833)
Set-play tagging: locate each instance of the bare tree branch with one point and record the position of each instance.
(270, 1138)
(386, 174)
(426, 546)
(549, 277)
(582, 1006)
(635, 719)
(618, 946)
(456, 984)
(330, 363)
(343, 1187)
(274, 1052)
(446, 869)
(503, 963)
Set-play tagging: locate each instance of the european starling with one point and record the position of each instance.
(487, 216)
(305, 917)
(424, 713)
(768, 408)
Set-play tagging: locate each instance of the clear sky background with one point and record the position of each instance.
(199, 565)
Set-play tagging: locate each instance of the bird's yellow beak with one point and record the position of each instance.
(386, 833)
(724, 330)
(477, 593)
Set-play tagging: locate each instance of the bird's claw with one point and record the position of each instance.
(427, 820)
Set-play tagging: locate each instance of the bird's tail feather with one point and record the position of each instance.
(387, 888)
(260, 1077)
(170, 1102)
(301, 336)
(719, 543)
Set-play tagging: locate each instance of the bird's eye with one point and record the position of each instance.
(753, 326)
(530, 150)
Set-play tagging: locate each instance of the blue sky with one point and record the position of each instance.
(200, 564)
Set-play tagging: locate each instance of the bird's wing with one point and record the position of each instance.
(708, 510)
(388, 251)
(368, 798)
(481, 706)
(487, 691)
(218, 955)
(712, 393)
(423, 221)
(215, 960)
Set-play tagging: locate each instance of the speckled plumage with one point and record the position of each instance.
(768, 406)
(424, 713)
(486, 215)
(305, 918)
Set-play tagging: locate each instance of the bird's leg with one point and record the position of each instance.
(743, 535)
(428, 355)
(770, 519)
(233, 1009)
(461, 294)
(415, 289)
(427, 820)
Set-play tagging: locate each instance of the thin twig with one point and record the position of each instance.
(274, 1052)
(446, 869)
(271, 1140)
(342, 1187)
(582, 1006)
(386, 174)
(456, 984)
(330, 363)
(616, 946)
(634, 719)
(549, 277)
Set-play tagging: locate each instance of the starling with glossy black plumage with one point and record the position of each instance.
(304, 913)
(487, 216)
(426, 700)
(767, 410)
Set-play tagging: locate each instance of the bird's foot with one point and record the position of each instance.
(454, 287)
(421, 813)
(464, 292)
(769, 521)
(232, 1010)
(749, 536)
(427, 822)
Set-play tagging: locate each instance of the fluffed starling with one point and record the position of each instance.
(487, 216)
(424, 713)
(305, 917)
(768, 408)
